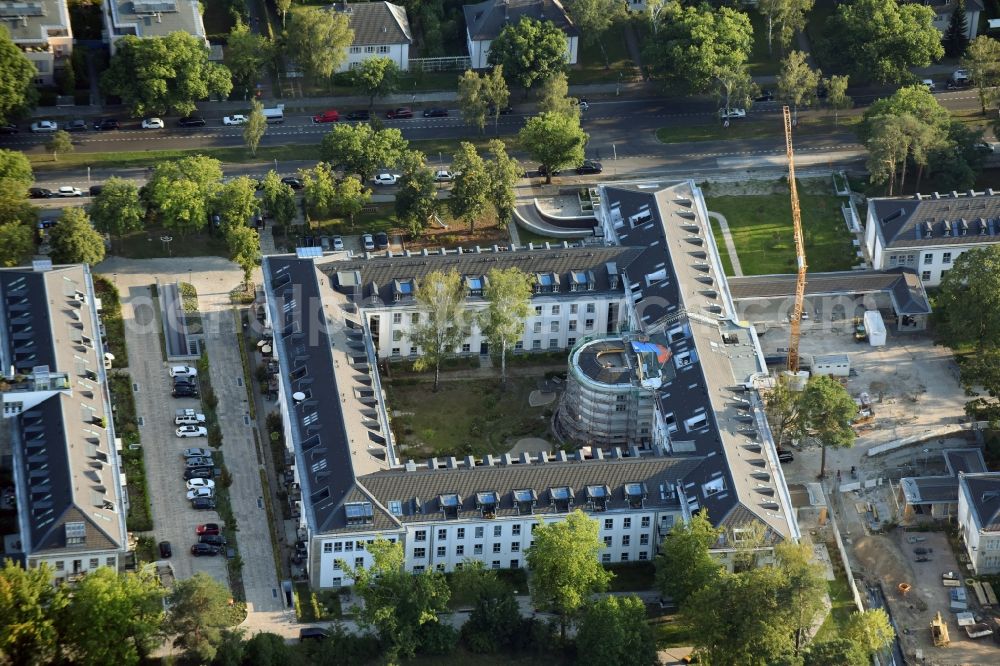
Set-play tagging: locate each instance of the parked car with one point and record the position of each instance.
(185, 391)
(192, 431)
(401, 112)
(329, 116)
(443, 176)
(200, 549)
(69, 191)
(293, 182)
(78, 125)
(199, 473)
(44, 126)
(165, 550)
(201, 492)
(764, 96)
(200, 483)
(8, 128)
(191, 463)
(732, 113)
(94, 190)
(202, 503)
(188, 380)
(435, 112)
(381, 240)
(929, 84)
(191, 121)
(197, 452)
(183, 371)
(208, 528)
(212, 539)
(368, 242)
(386, 179)
(362, 114)
(107, 124)
(589, 166)
(152, 123)
(785, 456)
(237, 119)
(312, 634)
(39, 192)
(188, 414)
(337, 242)
(583, 104)
(544, 171)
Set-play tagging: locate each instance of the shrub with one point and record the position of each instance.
(437, 638)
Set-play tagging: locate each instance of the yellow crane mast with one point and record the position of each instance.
(800, 251)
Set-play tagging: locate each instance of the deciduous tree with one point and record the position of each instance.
(789, 15)
(472, 100)
(969, 298)
(836, 652)
(553, 96)
(508, 304)
(804, 588)
(376, 77)
(16, 242)
(797, 81)
(444, 321)
(118, 209)
(593, 18)
(349, 197)
(236, 202)
(827, 410)
(781, 405)
(982, 59)
(74, 240)
(319, 190)
(362, 149)
(416, 199)
(255, 127)
(470, 193)
(565, 566)
(15, 170)
(244, 248)
(871, 630)
(29, 610)
(399, 605)
(245, 55)
(198, 616)
(61, 142)
(156, 75)
(317, 40)
(529, 51)
(495, 616)
(17, 76)
(555, 140)
(504, 171)
(614, 631)
(684, 564)
(180, 192)
(278, 199)
(496, 92)
(836, 95)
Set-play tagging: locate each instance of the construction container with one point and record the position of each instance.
(875, 328)
(838, 365)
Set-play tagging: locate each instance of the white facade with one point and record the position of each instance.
(398, 53)
(982, 543)
(943, 18)
(42, 30)
(152, 18)
(479, 50)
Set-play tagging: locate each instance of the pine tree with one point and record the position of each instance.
(956, 36)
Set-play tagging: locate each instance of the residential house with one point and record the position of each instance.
(152, 18)
(484, 22)
(943, 9)
(40, 28)
(927, 233)
(933, 498)
(381, 29)
(69, 482)
(979, 520)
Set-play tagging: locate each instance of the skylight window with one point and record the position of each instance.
(359, 513)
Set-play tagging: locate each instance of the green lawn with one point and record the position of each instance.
(843, 606)
(762, 60)
(632, 577)
(381, 218)
(146, 244)
(672, 631)
(591, 66)
(472, 417)
(757, 128)
(762, 233)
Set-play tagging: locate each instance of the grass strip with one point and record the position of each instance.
(755, 129)
(266, 489)
(111, 316)
(247, 377)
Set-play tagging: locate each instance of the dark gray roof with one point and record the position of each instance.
(930, 489)
(951, 219)
(983, 494)
(324, 457)
(486, 20)
(902, 284)
(964, 461)
(361, 278)
(605, 361)
(377, 23)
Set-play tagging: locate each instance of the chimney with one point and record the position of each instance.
(159, 17)
(598, 453)
(411, 466)
(579, 455)
(452, 462)
(506, 459)
(526, 458)
(470, 462)
(488, 460)
(432, 463)
(562, 456)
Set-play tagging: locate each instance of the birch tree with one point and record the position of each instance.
(444, 320)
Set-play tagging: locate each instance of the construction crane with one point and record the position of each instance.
(800, 251)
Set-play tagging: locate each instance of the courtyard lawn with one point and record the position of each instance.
(591, 66)
(761, 227)
(762, 60)
(842, 606)
(146, 244)
(466, 417)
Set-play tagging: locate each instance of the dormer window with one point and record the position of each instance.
(524, 501)
(597, 498)
(635, 494)
(579, 281)
(403, 289)
(359, 513)
(487, 503)
(475, 284)
(450, 504)
(76, 533)
(713, 487)
(562, 498)
(546, 283)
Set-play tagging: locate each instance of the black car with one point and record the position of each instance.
(77, 126)
(96, 189)
(435, 113)
(200, 549)
(212, 539)
(544, 171)
(312, 634)
(199, 473)
(39, 193)
(358, 115)
(503, 111)
(293, 182)
(107, 124)
(191, 121)
(185, 391)
(785, 456)
(381, 240)
(8, 129)
(590, 166)
(764, 96)
(165, 550)
(203, 503)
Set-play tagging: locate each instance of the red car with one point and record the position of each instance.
(402, 112)
(207, 529)
(330, 116)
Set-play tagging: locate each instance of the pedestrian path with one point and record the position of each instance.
(728, 239)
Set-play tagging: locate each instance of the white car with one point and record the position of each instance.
(200, 483)
(183, 371)
(386, 179)
(201, 492)
(238, 119)
(368, 241)
(69, 191)
(152, 123)
(196, 453)
(444, 176)
(338, 243)
(584, 105)
(192, 431)
(42, 126)
(732, 113)
(929, 84)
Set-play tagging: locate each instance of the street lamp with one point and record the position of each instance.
(166, 243)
